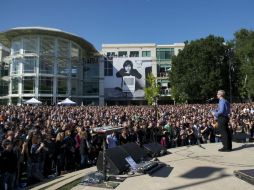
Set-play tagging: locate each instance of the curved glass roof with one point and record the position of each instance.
(7, 36)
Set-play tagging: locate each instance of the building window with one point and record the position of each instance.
(47, 46)
(4, 88)
(75, 60)
(163, 70)
(62, 86)
(63, 49)
(29, 64)
(46, 64)
(75, 51)
(74, 87)
(134, 54)
(122, 54)
(28, 85)
(46, 100)
(164, 53)
(91, 60)
(14, 101)
(91, 71)
(16, 66)
(4, 73)
(62, 66)
(146, 53)
(30, 45)
(108, 67)
(90, 101)
(74, 68)
(91, 88)
(16, 46)
(4, 101)
(15, 86)
(111, 54)
(46, 85)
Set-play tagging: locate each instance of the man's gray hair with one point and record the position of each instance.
(221, 92)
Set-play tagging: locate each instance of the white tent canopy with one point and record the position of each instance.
(32, 101)
(67, 101)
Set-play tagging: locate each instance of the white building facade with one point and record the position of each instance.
(145, 58)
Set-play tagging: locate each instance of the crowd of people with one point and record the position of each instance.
(39, 142)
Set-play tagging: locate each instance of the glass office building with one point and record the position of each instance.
(50, 65)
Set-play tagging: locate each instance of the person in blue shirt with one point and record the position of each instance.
(112, 140)
(222, 117)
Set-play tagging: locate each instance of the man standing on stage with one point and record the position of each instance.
(222, 116)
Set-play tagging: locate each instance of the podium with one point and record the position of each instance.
(104, 131)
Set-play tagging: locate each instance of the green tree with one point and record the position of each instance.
(152, 91)
(202, 68)
(244, 45)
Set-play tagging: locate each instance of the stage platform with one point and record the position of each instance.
(192, 167)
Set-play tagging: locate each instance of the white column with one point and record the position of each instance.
(55, 84)
(69, 82)
(101, 81)
(81, 75)
(10, 81)
(154, 67)
(10, 71)
(20, 74)
(37, 64)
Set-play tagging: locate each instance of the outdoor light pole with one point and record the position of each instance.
(156, 118)
(230, 54)
(104, 159)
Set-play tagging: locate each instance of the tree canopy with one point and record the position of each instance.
(152, 91)
(244, 46)
(201, 68)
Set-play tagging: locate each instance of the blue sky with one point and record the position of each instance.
(132, 21)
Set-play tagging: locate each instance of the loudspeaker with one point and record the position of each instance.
(155, 149)
(115, 159)
(240, 137)
(246, 175)
(135, 151)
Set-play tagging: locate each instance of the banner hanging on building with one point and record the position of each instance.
(128, 78)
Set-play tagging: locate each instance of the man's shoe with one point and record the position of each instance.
(224, 150)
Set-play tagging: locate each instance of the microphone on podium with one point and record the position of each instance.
(210, 99)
